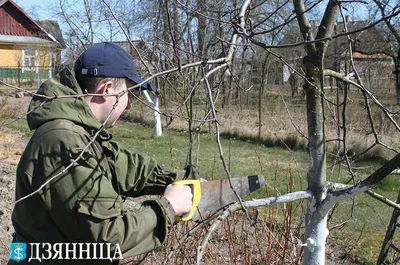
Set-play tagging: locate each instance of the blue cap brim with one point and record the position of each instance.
(138, 80)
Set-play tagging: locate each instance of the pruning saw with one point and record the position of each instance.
(211, 196)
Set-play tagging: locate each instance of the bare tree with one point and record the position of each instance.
(393, 37)
(194, 62)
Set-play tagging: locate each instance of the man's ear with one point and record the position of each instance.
(105, 89)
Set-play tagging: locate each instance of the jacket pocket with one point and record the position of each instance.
(100, 208)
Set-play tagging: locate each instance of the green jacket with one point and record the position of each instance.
(88, 200)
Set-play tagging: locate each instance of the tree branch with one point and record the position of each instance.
(363, 185)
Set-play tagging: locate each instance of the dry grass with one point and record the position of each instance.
(284, 123)
(11, 107)
(6, 110)
(272, 239)
(275, 237)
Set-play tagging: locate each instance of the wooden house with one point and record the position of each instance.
(30, 51)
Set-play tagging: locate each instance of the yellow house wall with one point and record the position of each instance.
(9, 56)
(43, 55)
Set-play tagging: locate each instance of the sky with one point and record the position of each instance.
(35, 8)
(40, 7)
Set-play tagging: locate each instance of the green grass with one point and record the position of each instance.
(19, 125)
(390, 184)
(368, 219)
(242, 158)
(367, 226)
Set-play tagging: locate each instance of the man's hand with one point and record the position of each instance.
(180, 198)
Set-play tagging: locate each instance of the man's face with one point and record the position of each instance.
(123, 102)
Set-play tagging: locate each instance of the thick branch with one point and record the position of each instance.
(365, 184)
(328, 23)
(290, 197)
(304, 24)
(341, 186)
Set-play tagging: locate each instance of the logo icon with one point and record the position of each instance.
(18, 251)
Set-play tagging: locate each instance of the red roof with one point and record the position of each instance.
(14, 21)
(360, 55)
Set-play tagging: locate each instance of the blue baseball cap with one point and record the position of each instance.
(109, 60)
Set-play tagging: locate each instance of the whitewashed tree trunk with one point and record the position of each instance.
(316, 230)
(156, 113)
(315, 236)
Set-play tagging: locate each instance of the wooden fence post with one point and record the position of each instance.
(19, 74)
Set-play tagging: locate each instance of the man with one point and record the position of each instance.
(94, 178)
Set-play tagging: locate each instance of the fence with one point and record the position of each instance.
(26, 77)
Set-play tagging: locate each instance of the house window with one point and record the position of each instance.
(30, 60)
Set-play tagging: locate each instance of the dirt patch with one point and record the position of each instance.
(19, 106)
(11, 146)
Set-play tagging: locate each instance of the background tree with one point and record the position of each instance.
(392, 37)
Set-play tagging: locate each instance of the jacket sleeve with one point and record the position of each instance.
(85, 206)
(138, 174)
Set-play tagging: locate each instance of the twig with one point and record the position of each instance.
(127, 36)
(291, 197)
(5, 246)
(322, 40)
(342, 224)
(200, 250)
(21, 117)
(214, 114)
(186, 236)
(179, 244)
(296, 127)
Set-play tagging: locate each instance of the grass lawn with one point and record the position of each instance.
(242, 158)
(368, 220)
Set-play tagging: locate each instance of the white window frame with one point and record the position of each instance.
(52, 62)
(30, 67)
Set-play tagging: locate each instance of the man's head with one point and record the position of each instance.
(107, 69)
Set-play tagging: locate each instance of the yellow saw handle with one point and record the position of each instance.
(196, 191)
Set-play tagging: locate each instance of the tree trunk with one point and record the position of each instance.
(175, 33)
(316, 231)
(201, 27)
(156, 113)
(165, 33)
(263, 81)
(316, 216)
(397, 76)
(315, 238)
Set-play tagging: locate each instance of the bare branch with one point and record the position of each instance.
(383, 199)
(127, 36)
(299, 195)
(365, 184)
(313, 41)
(290, 197)
(341, 186)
